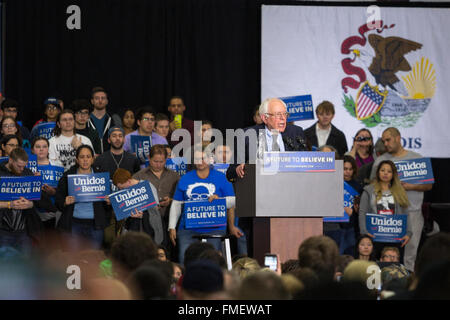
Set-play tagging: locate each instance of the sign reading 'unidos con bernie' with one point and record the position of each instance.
(139, 197)
(89, 187)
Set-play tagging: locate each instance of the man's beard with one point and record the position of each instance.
(13, 171)
(117, 148)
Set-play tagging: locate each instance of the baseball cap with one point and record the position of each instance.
(51, 100)
(115, 128)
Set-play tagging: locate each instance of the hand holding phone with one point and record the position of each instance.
(271, 261)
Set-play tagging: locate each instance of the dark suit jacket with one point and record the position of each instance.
(293, 137)
(335, 139)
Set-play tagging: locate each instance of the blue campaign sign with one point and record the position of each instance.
(50, 174)
(89, 187)
(177, 164)
(12, 188)
(299, 107)
(139, 196)
(44, 129)
(349, 198)
(303, 161)
(415, 171)
(205, 214)
(386, 228)
(32, 162)
(141, 145)
(222, 167)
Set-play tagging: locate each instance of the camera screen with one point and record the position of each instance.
(271, 262)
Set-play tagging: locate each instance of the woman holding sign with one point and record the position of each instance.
(385, 198)
(46, 206)
(193, 202)
(83, 219)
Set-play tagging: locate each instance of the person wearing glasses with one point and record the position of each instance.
(276, 133)
(64, 143)
(323, 132)
(81, 109)
(51, 110)
(362, 149)
(10, 126)
(10, 108)
(9, 143)
(390, 254)
(145, 118)
(201, 184)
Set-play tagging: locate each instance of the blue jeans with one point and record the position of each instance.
(344, 238)
(17, 240)
(82, 232)
(241, 244)
(184, 239)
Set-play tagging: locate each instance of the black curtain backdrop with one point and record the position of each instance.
(143, 52)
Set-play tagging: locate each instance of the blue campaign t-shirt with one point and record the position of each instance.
(192, 188)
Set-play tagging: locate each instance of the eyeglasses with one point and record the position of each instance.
(359, 139)
(52, 107)
(279, 115)
(389, 256)
(148, 119)
(12, 125)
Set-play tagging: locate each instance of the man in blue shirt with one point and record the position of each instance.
(145, 118)
(203, 183)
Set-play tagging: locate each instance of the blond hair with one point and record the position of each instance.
(246, 266)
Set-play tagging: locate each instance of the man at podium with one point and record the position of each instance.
(276, 133)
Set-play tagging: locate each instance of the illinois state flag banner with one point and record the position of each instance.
(379, 66)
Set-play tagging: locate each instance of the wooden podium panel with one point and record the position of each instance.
(287, 207)
(283, 236)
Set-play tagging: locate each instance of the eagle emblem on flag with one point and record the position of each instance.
(369, 101)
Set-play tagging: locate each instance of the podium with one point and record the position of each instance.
(287, 207)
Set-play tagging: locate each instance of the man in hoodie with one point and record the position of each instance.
(99, 119)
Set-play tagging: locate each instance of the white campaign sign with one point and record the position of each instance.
(333, 53)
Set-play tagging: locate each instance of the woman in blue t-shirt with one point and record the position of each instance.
(200, 184)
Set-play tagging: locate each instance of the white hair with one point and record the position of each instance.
(264, 107)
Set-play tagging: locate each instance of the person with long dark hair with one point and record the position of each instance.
(365, 248)
(385, 196)
(85, 220)
(128, 121)
(9, 143)
(362, 149)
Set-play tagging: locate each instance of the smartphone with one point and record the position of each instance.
(178, 121)
(271, 261)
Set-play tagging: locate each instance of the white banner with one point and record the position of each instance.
(379, 66)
